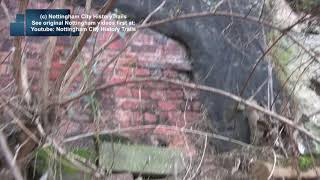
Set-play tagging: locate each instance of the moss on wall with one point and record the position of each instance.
(281, 55)
(47, 159)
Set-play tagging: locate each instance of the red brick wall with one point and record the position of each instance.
(150, 103)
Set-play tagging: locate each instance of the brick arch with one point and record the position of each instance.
(149, 55)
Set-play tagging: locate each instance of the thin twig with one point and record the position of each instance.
(19, 69)
(258, 62)
(247, 103)
(206, 14)
(9, 157)
(287, 80)
(6, 11)
(16, 107)
(295, 86)
(7, 86)
(274, 164)
(258, 90)
(5, 58)
(113, 38)
(79, 44)
(19, 148)
(19, 123)
(234, 15)
(129, 41)
(75, 74)
(81, 163)
(202, 157)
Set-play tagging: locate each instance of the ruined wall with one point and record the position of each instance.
(150, 103)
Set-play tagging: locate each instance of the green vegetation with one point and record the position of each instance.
(305, 162)
(283, 52)
(48, 159)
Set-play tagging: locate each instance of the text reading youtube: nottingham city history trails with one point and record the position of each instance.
(53, 22)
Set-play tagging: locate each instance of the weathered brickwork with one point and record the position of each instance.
(148, 103)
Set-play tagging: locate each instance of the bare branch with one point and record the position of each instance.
(5, 58)
(258, 61)
(6, 11)
(288, 78)
(206, 14)
(81, 163)
(203, 88)
(79, 44)
(274, 164)
(132, 37)
(172, 128)
(283, 172)
(235, 15)
(19, 69)
(9, 157)
(247, 103)
(44, 79)
(106, 44)
(19, 123)
(113, 59)
(283, 33)
(202, 157)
